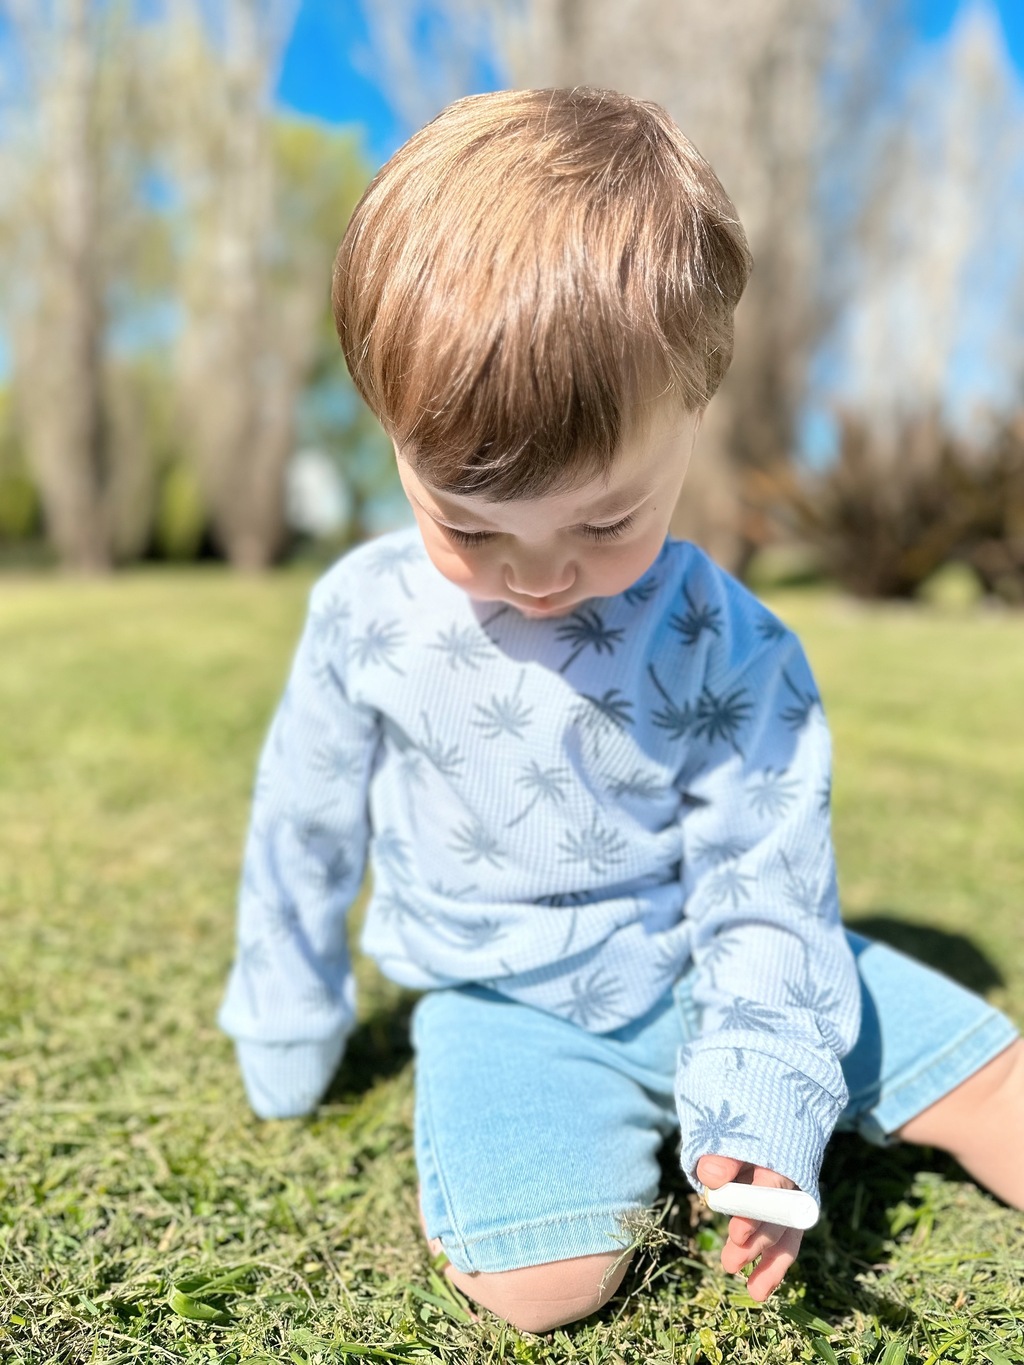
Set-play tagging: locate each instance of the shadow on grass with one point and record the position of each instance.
(378, 1050)
(868, 1196)
(950, 953)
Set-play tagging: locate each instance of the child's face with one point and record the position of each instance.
(544, 556)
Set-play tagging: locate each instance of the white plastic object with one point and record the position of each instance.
(764, 1204)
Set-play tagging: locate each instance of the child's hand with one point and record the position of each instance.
(777, 1247)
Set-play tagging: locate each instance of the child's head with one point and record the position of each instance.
(535, 292)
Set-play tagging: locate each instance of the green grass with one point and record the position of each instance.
(145, 1215)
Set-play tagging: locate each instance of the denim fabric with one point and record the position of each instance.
(534, 1136)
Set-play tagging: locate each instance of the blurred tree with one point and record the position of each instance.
(932, 280)
(71, 222)
(940, 189)
(262, 203)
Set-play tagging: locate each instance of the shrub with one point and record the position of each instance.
(181, 516)
(19, 507)
(897, 505)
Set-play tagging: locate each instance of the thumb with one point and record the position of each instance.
(714, 1171)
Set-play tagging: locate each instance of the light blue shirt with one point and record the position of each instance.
(567, 811)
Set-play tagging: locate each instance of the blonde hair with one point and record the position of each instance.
(525, 275)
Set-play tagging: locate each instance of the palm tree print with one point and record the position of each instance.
(729, 884)
(712, 1130)
(720, 716)
(696, 621)
(677, 720)
(507, 715)
(394, 559)
(330, 619)
(591, 999)
(378, 645)
(453, 893)
(640, 785)
(597, 846)
(642, 591)
(546, 784)
(463, 648)
(719, 950)
(447, 759)
(802, 892)
(471, 934)
(253, 955)
(822, 1003)
(337, 761)
(396, 907)
(327, 856)
(603, 715)
(567, 900)
(825, 796)
(391, 851)
(560, 899)
(411, 768)
(796, 715)
(488, 621)
(719, 851)
(474, 844)
(586, 629)
(770, 627)
(743, 1013)
(806, 1091)
(772, 793)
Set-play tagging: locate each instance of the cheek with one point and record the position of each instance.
(613, 573)
(462, 569)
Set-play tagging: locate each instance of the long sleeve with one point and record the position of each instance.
(774, 978)
(290, 999)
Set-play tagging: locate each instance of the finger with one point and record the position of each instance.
(741, 1230)
(769, 1272)
(714, 1171)
(735, 1254)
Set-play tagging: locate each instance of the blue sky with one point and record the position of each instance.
(325, 67)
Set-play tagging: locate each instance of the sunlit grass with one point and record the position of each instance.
(146, 1216)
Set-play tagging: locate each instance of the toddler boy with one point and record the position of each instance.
(590, 770)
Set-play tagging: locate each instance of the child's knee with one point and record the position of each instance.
(538, 1298)
(980, 1104)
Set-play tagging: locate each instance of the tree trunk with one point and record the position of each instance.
(59, 371)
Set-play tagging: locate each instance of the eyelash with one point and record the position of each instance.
(467, 539)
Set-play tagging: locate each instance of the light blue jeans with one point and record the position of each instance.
(533, 1136)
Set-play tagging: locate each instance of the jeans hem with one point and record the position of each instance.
(561, 1237)
(929, 1084)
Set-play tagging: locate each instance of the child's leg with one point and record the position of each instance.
(936, 1065)
(981, 1123)
(533, 1139)
(539, 1298)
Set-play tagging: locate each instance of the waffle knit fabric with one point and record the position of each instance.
(566, 810)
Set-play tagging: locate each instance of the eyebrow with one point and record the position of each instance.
(609, 508)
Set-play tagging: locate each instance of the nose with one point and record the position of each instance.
(539, 576)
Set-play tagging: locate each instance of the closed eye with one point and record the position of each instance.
(467, 539)
(617, 528)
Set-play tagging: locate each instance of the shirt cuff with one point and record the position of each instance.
(757, 1108)
(286, 1080)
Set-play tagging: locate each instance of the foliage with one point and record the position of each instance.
(156, 208)
(180, 514)
(19, 501)
(901, 501)
(145, 1215)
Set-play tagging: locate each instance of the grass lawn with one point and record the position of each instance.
(145, 1215)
